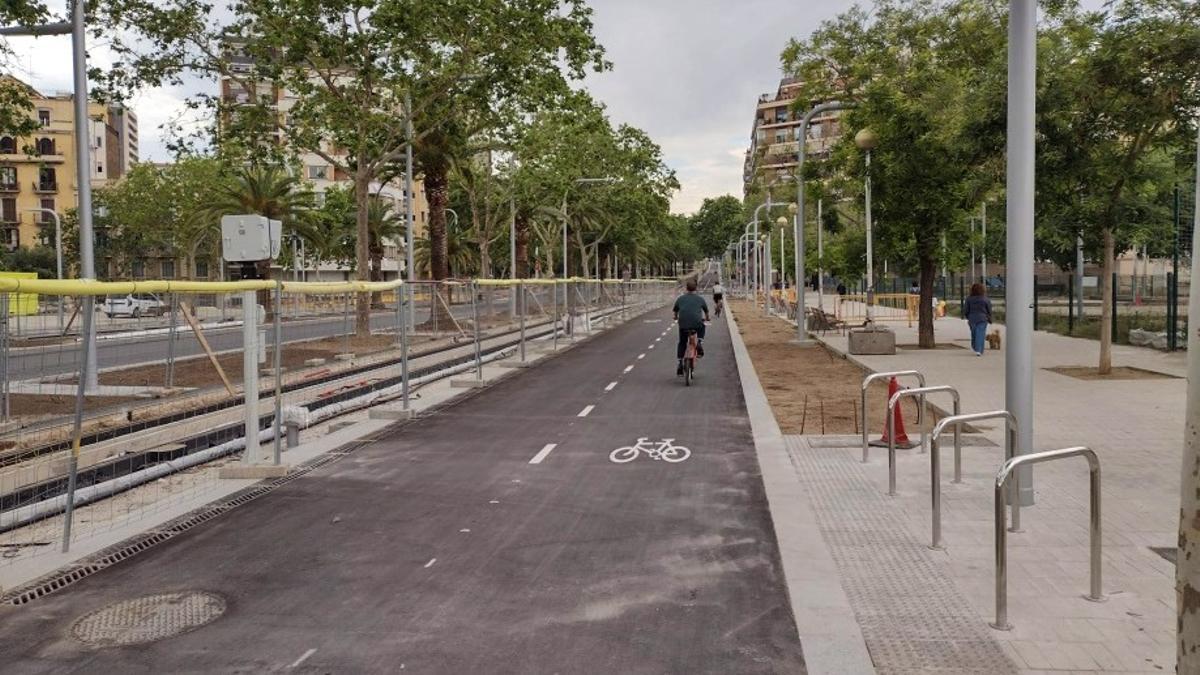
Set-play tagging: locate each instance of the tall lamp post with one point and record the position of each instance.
(58, 254)
(83, 145)
(867, 140)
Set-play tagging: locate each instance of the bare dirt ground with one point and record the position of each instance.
(23, 405)
(1118, 373)
(812, 390)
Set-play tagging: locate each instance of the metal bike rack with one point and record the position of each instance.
(935, 462)
(863, 408)
(1009, 470)
(923, 408)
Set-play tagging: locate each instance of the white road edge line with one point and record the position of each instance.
(303, 658)
(537, 459)
(628, 368)
(430, 563)
(611, 386)
(585, 411)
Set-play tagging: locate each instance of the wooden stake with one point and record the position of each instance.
(187, 315)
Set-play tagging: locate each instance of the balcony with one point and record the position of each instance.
(10, 187)
(45, 186)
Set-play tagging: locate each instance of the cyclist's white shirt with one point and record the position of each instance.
(719, 289)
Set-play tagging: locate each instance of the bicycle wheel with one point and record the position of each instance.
(676, 453)
(623, 455)
(688, 366)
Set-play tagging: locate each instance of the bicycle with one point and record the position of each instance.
(689, 358)
(718, 305)
(665, 450)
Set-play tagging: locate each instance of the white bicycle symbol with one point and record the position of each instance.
(664, 450)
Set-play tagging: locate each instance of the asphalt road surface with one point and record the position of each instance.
(444, 548)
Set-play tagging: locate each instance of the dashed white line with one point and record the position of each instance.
(651, 346)
(537, 459)
(585, 411)
(303, 658)
(641, 356)
(611, 386)
(628, 368)
(430, 563)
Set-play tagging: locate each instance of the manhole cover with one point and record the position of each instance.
(146, 619)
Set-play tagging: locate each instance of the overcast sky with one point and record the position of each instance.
(689, 72)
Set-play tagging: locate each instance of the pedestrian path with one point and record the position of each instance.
(1135, 426)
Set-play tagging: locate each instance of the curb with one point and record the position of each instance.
(828, 630)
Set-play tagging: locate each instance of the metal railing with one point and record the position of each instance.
(923, 410)
(1009, 470)
(935, 462)
(863, 408)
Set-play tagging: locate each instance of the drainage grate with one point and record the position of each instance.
(147, 619)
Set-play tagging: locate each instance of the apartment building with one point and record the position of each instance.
(38, 173)
(775, 136)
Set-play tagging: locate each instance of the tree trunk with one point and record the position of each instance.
(377, 274)
(437, 193)
(925, 335)
(1187, 557)
(362, 252)
(1106, 317)
(522, 231)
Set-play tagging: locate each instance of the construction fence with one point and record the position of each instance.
(181, 370)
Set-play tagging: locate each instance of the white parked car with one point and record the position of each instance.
(135, 305)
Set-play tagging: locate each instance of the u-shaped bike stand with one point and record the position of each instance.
(863, 408)
(935, 462)
(923, 408)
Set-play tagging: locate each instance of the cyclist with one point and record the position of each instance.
(691, 312)
(718, 295)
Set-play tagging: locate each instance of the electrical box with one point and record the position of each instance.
(250, 238)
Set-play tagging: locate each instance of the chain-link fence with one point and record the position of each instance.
(166, 406)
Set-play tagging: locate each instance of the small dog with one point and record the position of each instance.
(993, 339)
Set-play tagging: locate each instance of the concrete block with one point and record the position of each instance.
(470, 383)
(515, 363)
(348, 356)
(876, 341)
(242, 471)
(381, 413)
(338, 426)
(312, 363)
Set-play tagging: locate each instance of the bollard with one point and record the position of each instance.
(293, 434)
(278, 340)
(250, 375)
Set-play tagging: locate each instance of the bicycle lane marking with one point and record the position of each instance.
(543, 453)
(586, 411)
(611, 386)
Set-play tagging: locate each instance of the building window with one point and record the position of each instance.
(45, 146)
(139, 269)
(318, 172)
(47, 180)
(8, 145)
(781, 136)
(201, 269)
(99, 168)
(8, 177)
(48, 205)
(8, 209)
(168, 269)
(44, 117)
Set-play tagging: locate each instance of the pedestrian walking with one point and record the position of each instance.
(977, 310)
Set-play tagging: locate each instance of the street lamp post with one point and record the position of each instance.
(1018, 360)
(983, 233)
(798, 235)
(867, 140)
(820, 259)
(58, 254)
(87, 258)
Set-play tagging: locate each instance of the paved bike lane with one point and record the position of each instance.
(443, 548)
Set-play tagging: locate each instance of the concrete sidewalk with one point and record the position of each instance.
(1136, 428)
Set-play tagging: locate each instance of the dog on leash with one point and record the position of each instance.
(993, 339)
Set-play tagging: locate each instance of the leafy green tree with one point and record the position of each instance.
(915, 71)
